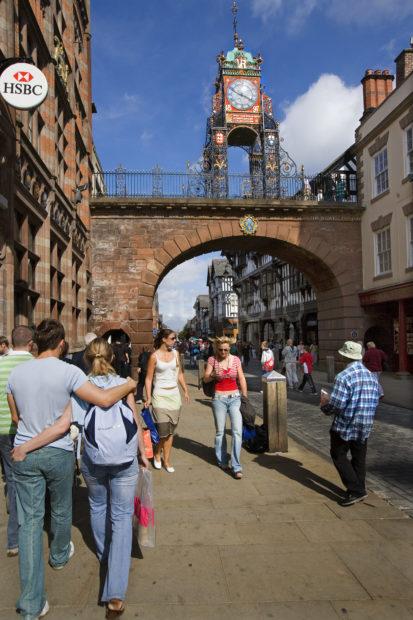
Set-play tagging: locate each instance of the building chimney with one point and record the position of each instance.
(404, 64)
(377, 86)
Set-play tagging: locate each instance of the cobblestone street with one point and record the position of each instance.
(390, 453)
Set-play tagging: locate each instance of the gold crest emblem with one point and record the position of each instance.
(248, 225)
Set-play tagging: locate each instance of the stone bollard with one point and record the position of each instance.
(331, 372)
(201, 370)
(275, 411)
(182, 360)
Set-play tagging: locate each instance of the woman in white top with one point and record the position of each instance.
(165, 375)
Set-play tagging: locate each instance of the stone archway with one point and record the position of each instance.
(136, 243)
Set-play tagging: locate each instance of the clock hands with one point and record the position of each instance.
(236, 92)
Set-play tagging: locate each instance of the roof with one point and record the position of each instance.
(202, 301)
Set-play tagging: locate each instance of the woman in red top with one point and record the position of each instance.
(306, 360)
(225, 369)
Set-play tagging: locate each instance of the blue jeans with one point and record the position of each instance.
(111, 491)
(50, 468)
(6, 446)
(221, 406)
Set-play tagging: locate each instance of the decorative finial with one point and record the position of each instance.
(235, 25)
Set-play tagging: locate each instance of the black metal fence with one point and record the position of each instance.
(337, 187)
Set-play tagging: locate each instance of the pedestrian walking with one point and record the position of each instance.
(226, 370)
(289, 355)
(246, 354)
(267, 358)
(111, 478)
(314, 353)
(353, 403)
(165, 375)
(22, 342)
(4, 346)
(306, 361)
(39, 392)
(374, 359)
(143, 361)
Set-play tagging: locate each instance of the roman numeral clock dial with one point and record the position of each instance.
(242, 94)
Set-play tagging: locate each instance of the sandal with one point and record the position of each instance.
(114, 612)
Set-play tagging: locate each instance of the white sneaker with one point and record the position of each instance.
(45, 609)
(71, 554)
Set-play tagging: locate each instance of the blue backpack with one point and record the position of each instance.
(110, 434)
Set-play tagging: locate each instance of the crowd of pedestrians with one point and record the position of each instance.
(43, 391)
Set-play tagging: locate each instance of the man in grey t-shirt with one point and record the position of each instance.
(39, 397)
(290, 355)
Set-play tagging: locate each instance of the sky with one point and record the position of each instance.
(154, 66)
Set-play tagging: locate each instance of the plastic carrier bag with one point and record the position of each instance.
(144, 512)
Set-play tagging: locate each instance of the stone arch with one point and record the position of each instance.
(133, 252)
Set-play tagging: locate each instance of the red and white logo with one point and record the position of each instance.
(23, 76)
(23, 86)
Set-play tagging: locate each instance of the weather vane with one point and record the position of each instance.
(234, 12)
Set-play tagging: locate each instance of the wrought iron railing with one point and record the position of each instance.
(337, 187)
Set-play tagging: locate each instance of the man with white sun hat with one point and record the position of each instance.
(353, 402)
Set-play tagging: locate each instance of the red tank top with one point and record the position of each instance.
(226, 378)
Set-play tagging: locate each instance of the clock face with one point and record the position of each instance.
(242, 94)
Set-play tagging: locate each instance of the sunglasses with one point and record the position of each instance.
(223, 349)
(173, 338)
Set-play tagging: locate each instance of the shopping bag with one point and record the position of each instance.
(150, 424)
(144, 512)
(147, 442)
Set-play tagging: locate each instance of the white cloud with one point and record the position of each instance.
(127, 104)
(350, 12)
(319, 125)
(179, 289)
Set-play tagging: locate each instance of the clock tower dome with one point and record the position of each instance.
(242, 115)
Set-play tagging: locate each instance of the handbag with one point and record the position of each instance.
(209, 387)
(150, 424)
(143, 520)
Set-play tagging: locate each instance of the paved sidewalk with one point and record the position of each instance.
(273, 545)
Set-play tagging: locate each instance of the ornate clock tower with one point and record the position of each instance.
(242, 116)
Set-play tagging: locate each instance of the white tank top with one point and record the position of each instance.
(166, 373)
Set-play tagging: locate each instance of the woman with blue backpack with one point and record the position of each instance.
(112, 440)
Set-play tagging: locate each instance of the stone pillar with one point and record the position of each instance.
(331, 370)
(402, 337)
(275, 412)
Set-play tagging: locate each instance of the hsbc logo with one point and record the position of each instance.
(23, 76)
(23, 86)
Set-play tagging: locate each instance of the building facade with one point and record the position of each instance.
(223, 298)
(384, 147)
(276, 301)
(46, 161)
(202, 316)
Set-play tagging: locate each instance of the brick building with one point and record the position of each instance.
(46, 155)
(384, 148)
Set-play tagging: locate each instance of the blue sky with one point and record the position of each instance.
(154, 67)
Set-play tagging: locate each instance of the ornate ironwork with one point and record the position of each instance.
(333, 187)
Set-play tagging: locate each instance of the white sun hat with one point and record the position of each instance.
(351, 350)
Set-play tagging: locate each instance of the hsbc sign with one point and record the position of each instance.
(23, 86)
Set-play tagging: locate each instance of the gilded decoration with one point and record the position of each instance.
(59, 57)
(248, 225)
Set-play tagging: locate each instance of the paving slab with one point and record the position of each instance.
(373, 610)
(309, 576)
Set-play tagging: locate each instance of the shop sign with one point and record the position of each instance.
(23, 86)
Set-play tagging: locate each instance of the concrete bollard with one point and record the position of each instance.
(331, 371)
(201, 370)
(275, 412)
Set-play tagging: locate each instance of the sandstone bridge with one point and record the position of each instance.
(137, 240)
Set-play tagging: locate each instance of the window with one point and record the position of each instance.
(409, 150)
(381, 173)
(410, 241)
(383, 251)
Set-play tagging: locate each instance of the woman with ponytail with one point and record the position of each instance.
(165, 374)
(111, 490)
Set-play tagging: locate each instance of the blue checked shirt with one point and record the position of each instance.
(354, 401)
